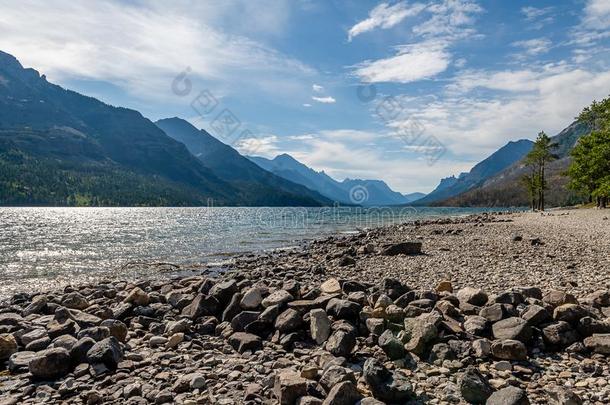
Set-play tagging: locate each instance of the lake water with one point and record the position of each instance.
(42, 248)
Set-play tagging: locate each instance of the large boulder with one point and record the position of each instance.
(50, 364)
(598, 343)
(252, 298)
(341, 342)
(343, 309)
(344, 393)
(242, 341)
(557, 298)
(320, 326)
(202, 305)
(391, 345)
(138, 297)
(473, 296)
(512, 328)
(288, 387)
(474, 387)
(560, 334)
(387, 386)
(223, 291)
(509, 350)
(423, 331)
(508, 396)
(107, 351)
(288, 321)
(403, 248)
(75, 300)
(278, 297)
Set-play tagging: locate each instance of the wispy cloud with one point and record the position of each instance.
(483, 110)
(317, 88)
(447, 21)
(534, 47)
(261, 146)
(450, 19)
(385, 16)
(140, 47)
(324, 100)
(412, 63)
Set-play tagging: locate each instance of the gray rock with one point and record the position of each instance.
(223, 291)
(536, 315)
(75, 300)
(556, 298)
(252, 298)
(598, 343)
(116, 328)
(243, 319)
(343, 309)
(50, 364)
(344, 393)
(403, 248)
(242, 341)
(508, 396)
(66, 341)
(474, 387)
(341, 343)
(475, 325)
(474, 296)
(232, 309)
(385, 385)
(19, 361)
(335, 374)
(391, 345)
(279, 298)
(492, 313)
(512, 328)
(319, 325)
(288, 321)
(509, 350)
(288, 386)
(423, 331)
(107, 352)
(79, 350)
(202, 305)
(559, 335)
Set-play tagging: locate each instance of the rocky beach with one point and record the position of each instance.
(489, 308)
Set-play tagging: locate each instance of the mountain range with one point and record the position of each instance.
(348, 191)
(59, 147)
(258, 186)
(505, 187)
(503, 158)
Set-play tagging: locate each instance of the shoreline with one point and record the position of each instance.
(427, 322)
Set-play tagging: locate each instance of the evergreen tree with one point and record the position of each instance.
(537, 159)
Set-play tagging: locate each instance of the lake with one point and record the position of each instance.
(45, 248)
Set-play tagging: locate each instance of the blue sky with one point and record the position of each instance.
(453, 80)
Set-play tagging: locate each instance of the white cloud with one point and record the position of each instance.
(413, 62)
(306, 105)
(597, 14)
(538, 17)
(324, 100)
(521, 103)
(385, 16)
(141, 47)
(317, 88)
(533, 47)
(450, 19)
(261, 146)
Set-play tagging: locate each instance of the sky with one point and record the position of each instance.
(404, 91)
